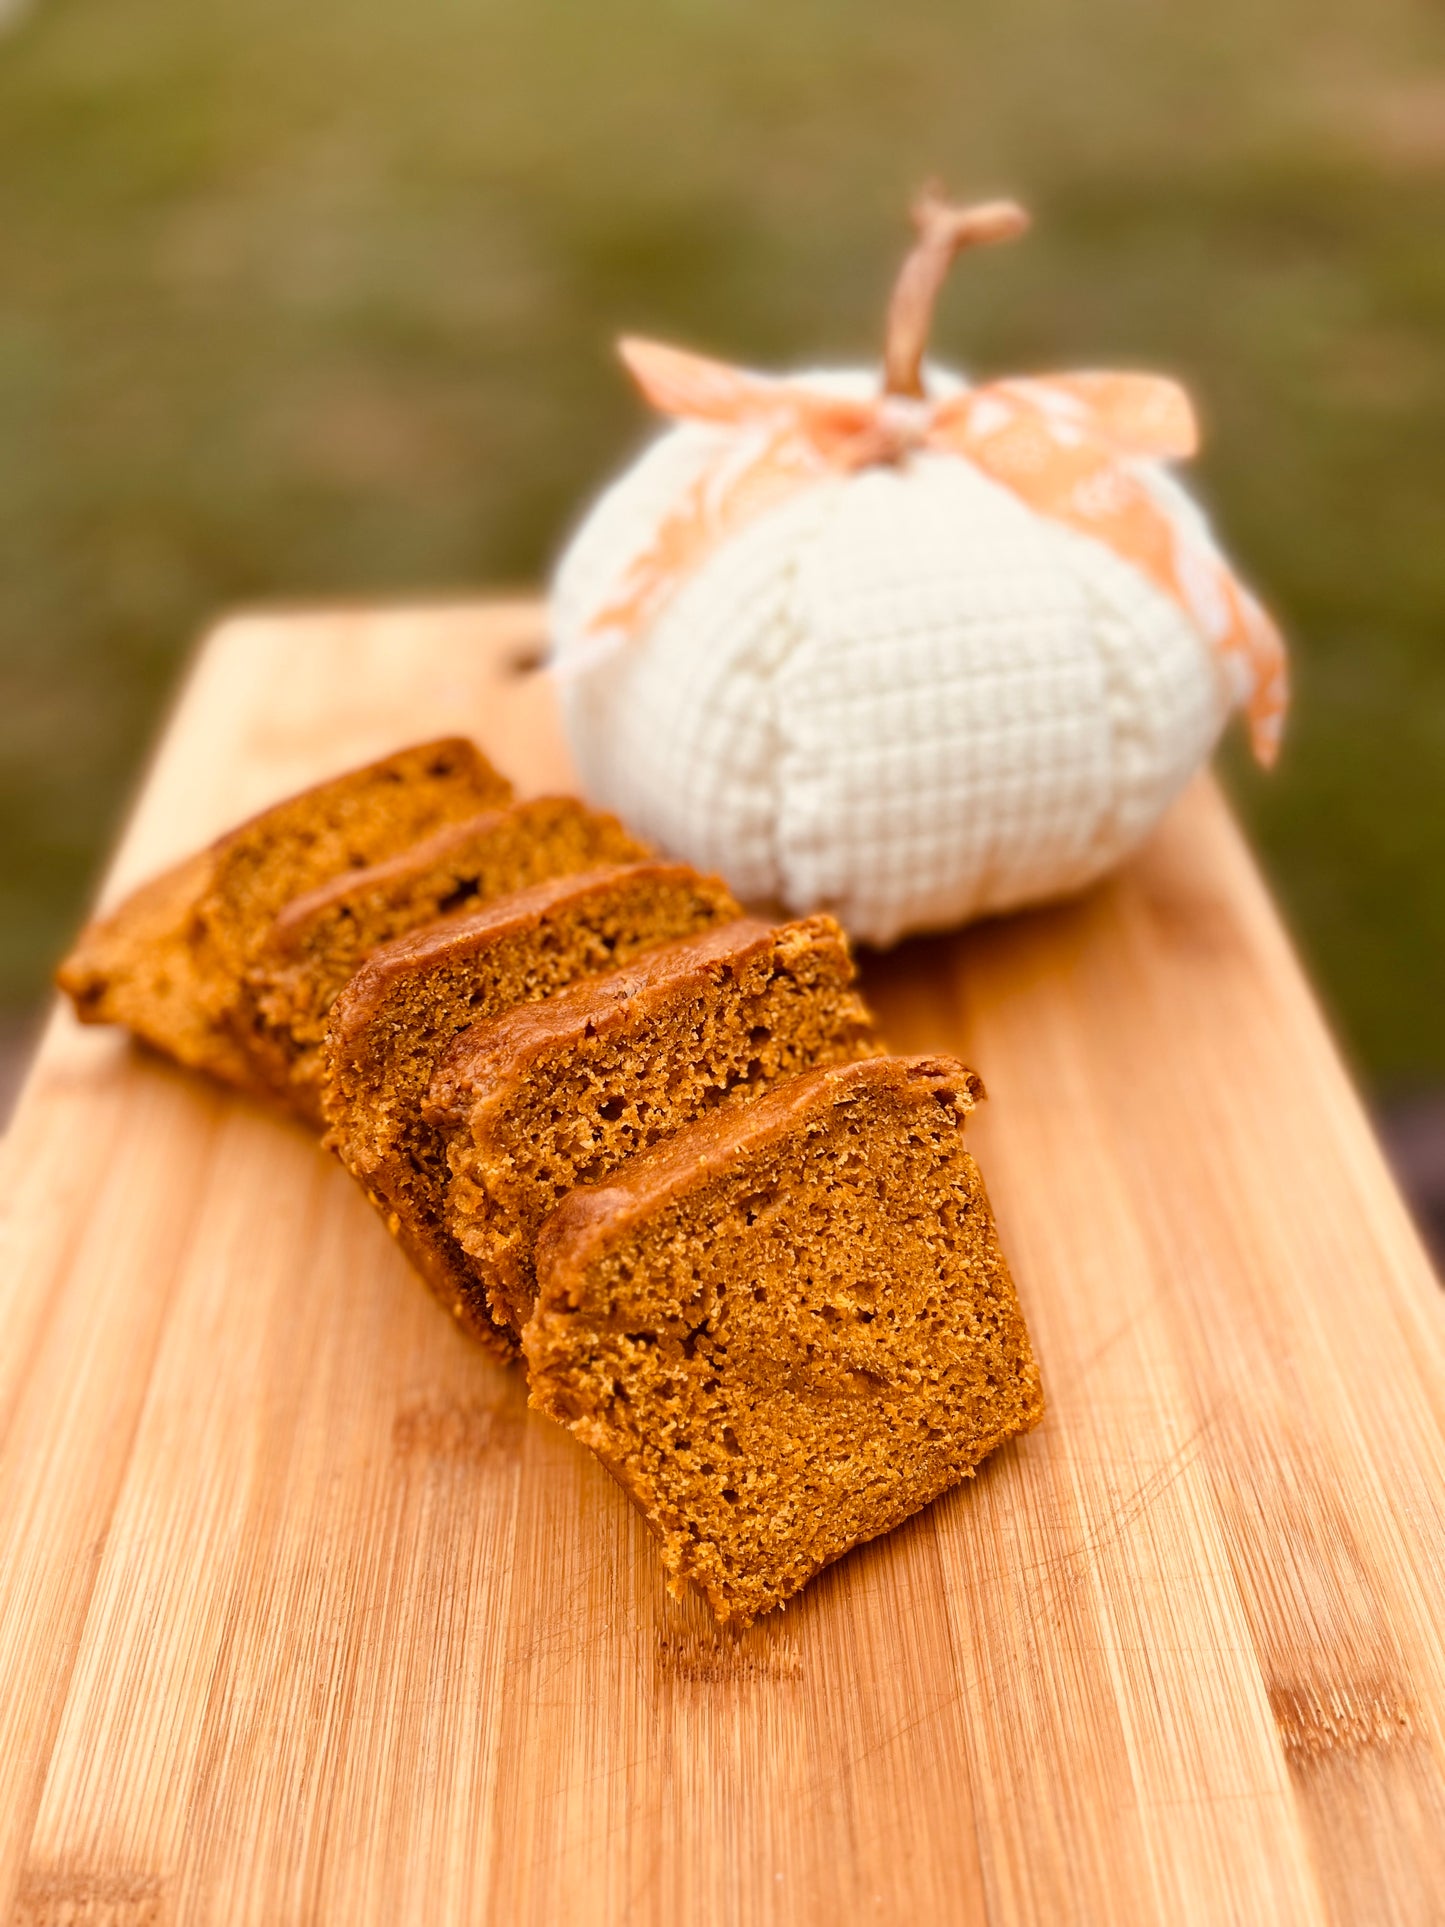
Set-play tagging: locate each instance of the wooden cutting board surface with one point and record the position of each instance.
(304, 1618)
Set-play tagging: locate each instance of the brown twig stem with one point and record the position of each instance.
(944, 231)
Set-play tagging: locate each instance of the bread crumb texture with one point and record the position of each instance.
(320, 938)
(392, 1022)
(358, 819)
(559, 1094)
(788, 1327)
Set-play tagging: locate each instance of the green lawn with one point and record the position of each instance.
(298, 301)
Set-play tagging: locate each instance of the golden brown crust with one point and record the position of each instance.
(443, 758)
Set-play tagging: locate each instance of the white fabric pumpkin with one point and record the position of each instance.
(900, 694)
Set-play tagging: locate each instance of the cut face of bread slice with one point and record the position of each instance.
(788, 1327)
(357, 820)
(168, 962)
(401, 1010)
(321, 938)
(561, 1093)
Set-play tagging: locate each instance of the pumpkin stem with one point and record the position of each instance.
(944, 231)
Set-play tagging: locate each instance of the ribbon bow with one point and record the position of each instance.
(1066, 445)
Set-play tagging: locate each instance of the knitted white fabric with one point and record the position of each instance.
(902, 695)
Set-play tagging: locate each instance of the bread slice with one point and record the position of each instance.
(320, 939)
(392, 1022)
(561, 1093)
(788, 1327)
(168, 963)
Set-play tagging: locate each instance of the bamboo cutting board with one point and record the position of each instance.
(303, 1618)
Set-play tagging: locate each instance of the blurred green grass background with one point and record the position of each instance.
(299, 302)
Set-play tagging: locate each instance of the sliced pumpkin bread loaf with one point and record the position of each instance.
(321, 938)
(788, 1327)
(560, 1093)
(397, 1015)
(169, 962)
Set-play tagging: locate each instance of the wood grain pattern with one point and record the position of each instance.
(304, 1618)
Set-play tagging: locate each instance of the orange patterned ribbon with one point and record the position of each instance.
(1064, 444)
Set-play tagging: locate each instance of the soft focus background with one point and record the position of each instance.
(311, 301)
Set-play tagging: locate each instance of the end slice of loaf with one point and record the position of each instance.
(168, 963)
(320, 939)
(139, 967)
(392, 1022)
(559, 1094)
(789, 1327)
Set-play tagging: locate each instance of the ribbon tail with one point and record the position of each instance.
(695, 387)
(1245, 640)
(1269, 699)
